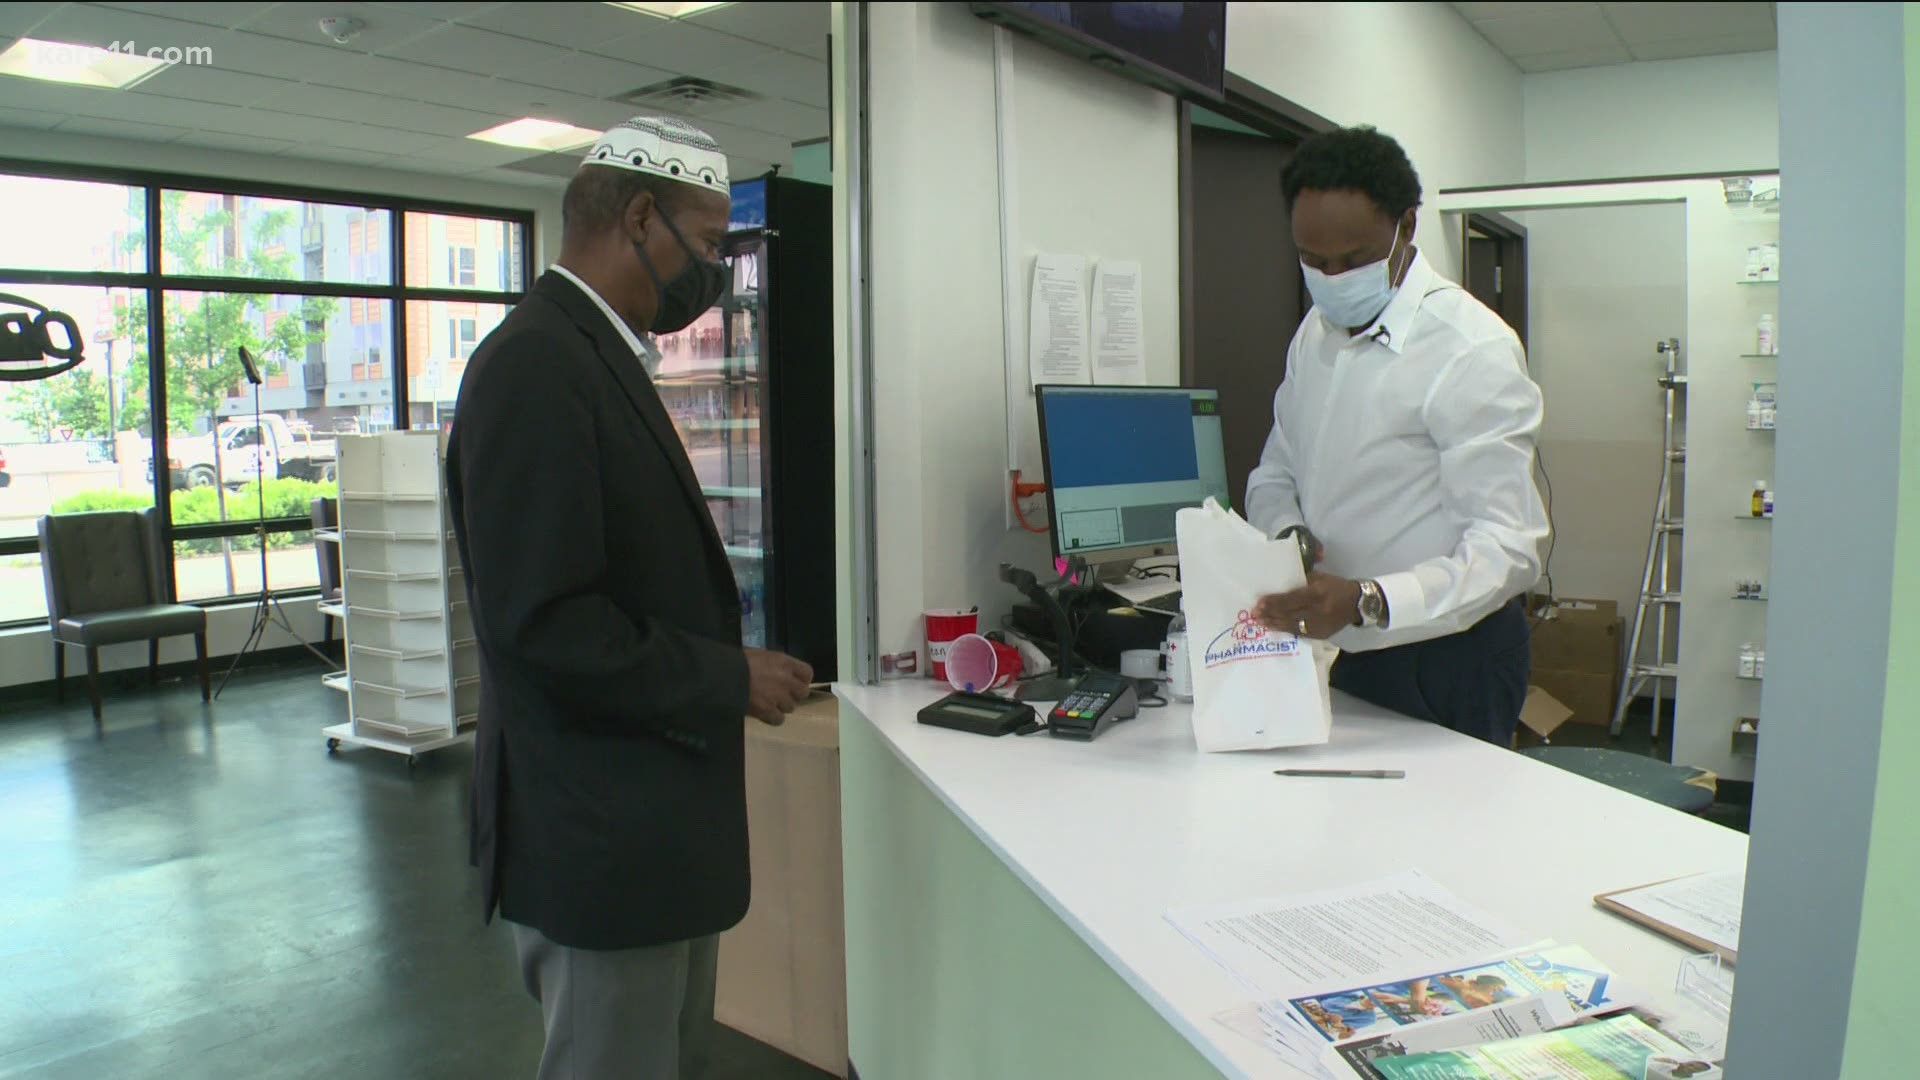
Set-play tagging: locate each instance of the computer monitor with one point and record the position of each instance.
(1122, 460)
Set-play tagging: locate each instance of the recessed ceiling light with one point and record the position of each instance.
(78, 65)
(529, 133)
(674, 11)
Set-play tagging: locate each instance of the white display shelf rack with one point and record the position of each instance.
(412, 676)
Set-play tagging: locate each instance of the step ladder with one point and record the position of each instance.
(1656, 616)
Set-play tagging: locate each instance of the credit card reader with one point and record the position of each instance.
(1093, 705)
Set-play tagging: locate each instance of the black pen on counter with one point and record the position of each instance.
(1354, 774)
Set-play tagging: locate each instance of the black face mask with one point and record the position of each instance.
(692, 291)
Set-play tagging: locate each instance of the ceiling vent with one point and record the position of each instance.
(687, 94)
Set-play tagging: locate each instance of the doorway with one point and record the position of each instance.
(1496, 267)
(1243, 292)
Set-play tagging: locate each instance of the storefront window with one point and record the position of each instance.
(331, 361)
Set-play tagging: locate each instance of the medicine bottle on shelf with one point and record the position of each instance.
(1763, 336)
(1759, 498)
(1748, 660)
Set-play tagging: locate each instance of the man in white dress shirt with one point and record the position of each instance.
(1403, 438)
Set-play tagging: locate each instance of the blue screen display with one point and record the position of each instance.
(1096, 440)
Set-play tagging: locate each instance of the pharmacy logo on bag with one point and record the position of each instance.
(1248, 640)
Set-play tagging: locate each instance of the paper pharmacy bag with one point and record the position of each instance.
(1253, 688)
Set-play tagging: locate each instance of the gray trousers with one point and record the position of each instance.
(621, 1014)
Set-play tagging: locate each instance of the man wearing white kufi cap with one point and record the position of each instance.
(609, 803)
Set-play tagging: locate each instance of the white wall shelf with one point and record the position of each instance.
(412, 671)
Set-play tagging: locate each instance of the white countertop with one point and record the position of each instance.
(1113, 833)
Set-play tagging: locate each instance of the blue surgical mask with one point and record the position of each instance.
(1354, 298)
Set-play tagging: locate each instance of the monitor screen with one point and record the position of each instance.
(1121, 460)
(1175, 46)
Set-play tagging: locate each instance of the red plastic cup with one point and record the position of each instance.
(944, 626)
(977, 664)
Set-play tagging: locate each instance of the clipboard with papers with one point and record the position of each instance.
(1701, 911)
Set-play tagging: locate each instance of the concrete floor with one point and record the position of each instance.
(207, 894)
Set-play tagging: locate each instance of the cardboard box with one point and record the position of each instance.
(783, 970)
(1588, 696)
(1579, 635)
(1540, 716)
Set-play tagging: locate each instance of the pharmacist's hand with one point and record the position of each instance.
(776, 685)
(1328, 605)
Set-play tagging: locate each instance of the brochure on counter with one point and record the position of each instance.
(1617, 1048)
(1378, 979)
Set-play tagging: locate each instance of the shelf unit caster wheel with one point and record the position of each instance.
(332, 745)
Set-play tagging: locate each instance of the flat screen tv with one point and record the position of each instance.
(1180, 48)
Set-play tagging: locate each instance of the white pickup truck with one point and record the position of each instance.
(276, 447)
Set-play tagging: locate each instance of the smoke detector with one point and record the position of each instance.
(342, 28)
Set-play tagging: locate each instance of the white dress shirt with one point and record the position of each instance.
(642, 348)
(1408, 449)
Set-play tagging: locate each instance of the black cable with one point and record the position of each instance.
(1553, 534)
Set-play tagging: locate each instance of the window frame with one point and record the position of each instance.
(156, 285)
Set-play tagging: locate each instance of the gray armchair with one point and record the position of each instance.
(104, 575)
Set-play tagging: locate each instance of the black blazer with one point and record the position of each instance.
(609, 798)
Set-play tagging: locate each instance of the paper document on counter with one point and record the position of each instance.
(1702, 910)
(1286, 946)
(1119, 352)
(1057, 320)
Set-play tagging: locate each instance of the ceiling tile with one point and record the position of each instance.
(679, 47)
(1649, 23)
(320, 130)
(1476, 12)
(1574, 58)
(446, 10)
(330, 102)
(29, 119)
(797, 26)
(213, 84)
(472, 153)
(59, 98)
(248, 124)
(386, 26)
(569, 25)
(1715, 46)
(780, 75)
(17, 19)
(258, 54)
(226, 15)
(440, 119)
(465, 49)
(519, 179)
(589, 75)
(785, 118)
(244, 144)
(88, 25)
(1547, 32)
(119, 129)
(419, 82)
(349, 155)
(550, 104)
